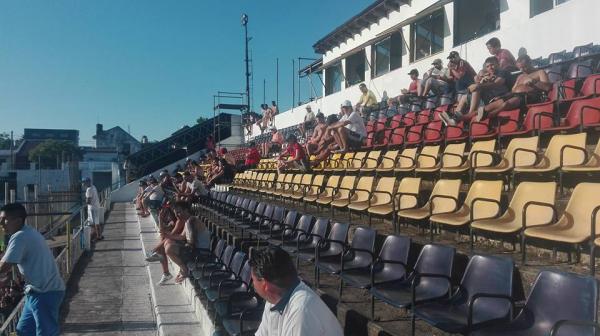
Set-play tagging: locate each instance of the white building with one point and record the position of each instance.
(380, 45)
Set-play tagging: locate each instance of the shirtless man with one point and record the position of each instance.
(530, 88)
(313, 143)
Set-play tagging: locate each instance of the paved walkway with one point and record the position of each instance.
(109, 293)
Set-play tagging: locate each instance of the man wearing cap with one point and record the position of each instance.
(313, 143)
(309, 121)
(461, 72)
(415, 84)
(436, 79)
(350, 131)
(367, 101)
(93, 206)
(296, 157)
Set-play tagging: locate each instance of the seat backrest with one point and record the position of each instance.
(580, 69)
(347, 159)
(357, 161)
(414, 134)
(346, 186)
(260, 209)
(320, 228)
(570, 156)
(290, 218)
(395, 248)
(227, 255)
(426, 158)
(339, 232)
(237, 261)
(364, 183)
(447, 188)
(388, 159)
(306, 179)
(364, 238)
(385, 185)
(536, 117)
(484, 189)
(219, 247)
(372, 159)
(522, 158)
(584, 112)
(409, 185)
(532, 191)
(278, 214)
(245, 273)
(268, 211)
(305, 223)
(332, 182)
(433, 131)
(485, 146)
(396, 121)
(487, 275)
(559, 296)
(333, 160)
(435, 259)
(297, 179)
(450, 158)
(397, 136)
(578, 213)
(591, 86)
(407, 158)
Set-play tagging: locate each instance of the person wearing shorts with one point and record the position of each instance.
(350, 131)
(296, 156)
(93, 206)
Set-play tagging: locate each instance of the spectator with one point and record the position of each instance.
(461, 72)
(291, 308)
(436, 79)
(142, 185)
(414, 88)
(506, 60)
(223, 174)
(309, 121)
(93, 207)
(192, 188)
(530, 87)
(350, 131)
(367, 102)
(492, 84)
(253, 156)
(227, 156)
(45, 289)
(327, 142)
(274, 108)
(277, 141)
(268, 114)
(319, 132)
(296, 156)
(154, 198)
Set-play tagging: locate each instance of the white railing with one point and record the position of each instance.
(65, 261)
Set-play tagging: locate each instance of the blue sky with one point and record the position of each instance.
(149, 65)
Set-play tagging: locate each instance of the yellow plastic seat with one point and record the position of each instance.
(281, 187)
(291, 187)
(592, 164)
(381, 200)
(300, 190)
(342, 163)
(370, 162)
(342, 196)
(332, 161)
(355, 163)
(511, 157)
(361, 194)
(442, 199)
(427, 158)
(527, 202)
(406, 161)
(575, 224)
(451, 157)
(467, 164)
(253, 182)
(550, 161)
(482, 201)
(313, 191)
(326, 196)
(388, 161)
(384, 203)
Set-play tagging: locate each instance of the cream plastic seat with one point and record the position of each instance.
(550, 161)
(427, 158)
(591, 164)
(362, 193)
(313, 191)
(300, 190)
(332, 161)
(343, 192)
(443, 198)
(291, 187)
(388, 161)
(278, 184)
(384, 202)
(284, 186)
(406, 161)
(465, 166)
(342, 163)
(326, 196)
(355, 163)
(574, 226)
(531, 204)
(524, 157)
(451, 157)
(371, 161)
(482, 201)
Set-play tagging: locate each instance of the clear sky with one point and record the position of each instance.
(149, 65)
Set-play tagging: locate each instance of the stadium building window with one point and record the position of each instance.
(333, 78)
(355, 68)
(475, 18)
(539, 6)
(387, 55)
(427, 36)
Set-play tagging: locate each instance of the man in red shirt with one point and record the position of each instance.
(505, 58)
(296, 156)
(253, 156)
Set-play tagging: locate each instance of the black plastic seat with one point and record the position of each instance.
(290, 234)
(276, 216)
(307, 243)
(434, 260)
(391, 264)
(276, 226)
(332, 247)
(221, 265)
(229, 273)
(225, 288)
(241, 313)
(217, 251)
(559, 303)
(484, 297)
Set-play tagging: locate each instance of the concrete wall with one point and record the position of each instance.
(564, 27)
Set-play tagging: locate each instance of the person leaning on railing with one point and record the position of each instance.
(44, 289)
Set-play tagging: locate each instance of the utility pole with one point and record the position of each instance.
(247, 60)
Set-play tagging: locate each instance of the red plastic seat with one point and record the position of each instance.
(424, 117)
(537, 117)
(396, 121)
(397, 136)
(455, 133)
(591, 86)
(380, 125)
(414, 135)
(432, 132)
(583, 113)
(409, 119)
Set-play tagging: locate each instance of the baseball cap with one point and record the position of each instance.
(346, 103)
(453, 54)
(414, 72)
(436, 61)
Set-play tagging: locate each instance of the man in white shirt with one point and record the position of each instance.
(93, 206)
(292, 308)
(350, 131)
(154, 197)
(436, 79)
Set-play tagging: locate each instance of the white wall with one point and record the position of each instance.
(564, 27)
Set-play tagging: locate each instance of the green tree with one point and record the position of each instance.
(50, 152)
(4, 141)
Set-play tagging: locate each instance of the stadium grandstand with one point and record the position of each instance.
(448, 184)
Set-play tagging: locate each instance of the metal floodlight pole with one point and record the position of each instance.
(247, 60)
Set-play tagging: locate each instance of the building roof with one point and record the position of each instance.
(370, 15)
(118, 129)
